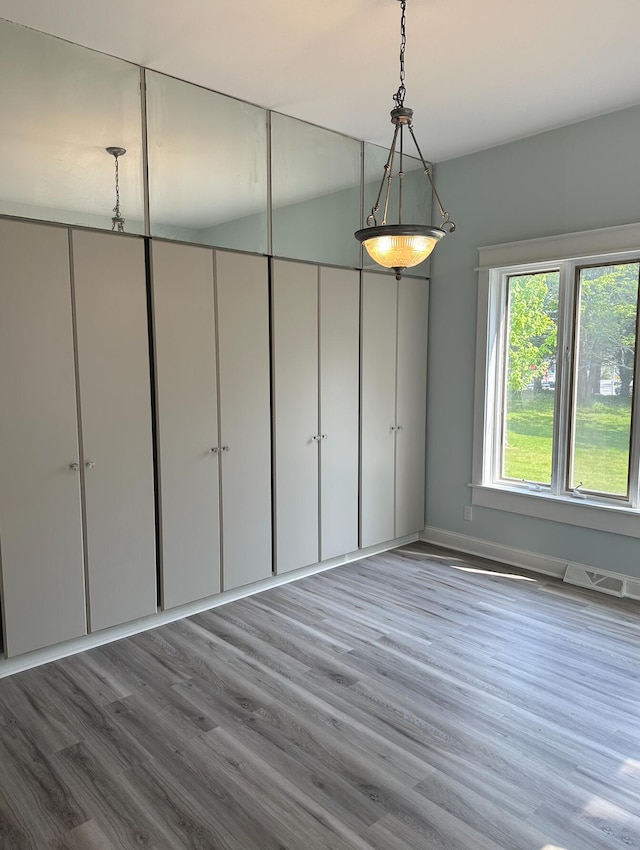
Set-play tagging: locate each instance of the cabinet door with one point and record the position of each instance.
(113, 366)
(242, 283)
(295, 379)
(339, 406)
(378, 408)
(187, 421)
(40, 510)
(413, 299)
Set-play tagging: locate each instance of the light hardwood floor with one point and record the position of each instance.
(410, 701)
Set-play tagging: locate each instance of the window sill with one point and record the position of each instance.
(587, 513)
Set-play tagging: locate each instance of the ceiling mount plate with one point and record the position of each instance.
(116, 151)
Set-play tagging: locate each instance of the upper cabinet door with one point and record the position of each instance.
(339, 406)
(296, 426)
(40, 508)
(242, 283)
(113, 363)
(378, 408)
(187, 420)
(413, 302)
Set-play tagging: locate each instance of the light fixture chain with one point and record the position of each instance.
(400, 94)
(117, 221)
(116, 209)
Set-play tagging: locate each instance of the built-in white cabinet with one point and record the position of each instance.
(187, 421)
(43, 583)
(411, 404)
(211, 339)
(109, 280)
(337, 375)
(296, 428)
(242, 298)
(315, 316)
(77, 523)
(339, 379)
(393, 407)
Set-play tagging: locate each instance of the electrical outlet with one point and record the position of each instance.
(467, 513)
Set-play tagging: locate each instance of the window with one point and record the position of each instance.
(556, 418)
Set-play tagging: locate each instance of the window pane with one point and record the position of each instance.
(603, 384)
(529, 377)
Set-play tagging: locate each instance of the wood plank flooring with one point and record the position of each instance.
(410, 701)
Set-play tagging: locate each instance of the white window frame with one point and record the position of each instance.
(496, 263)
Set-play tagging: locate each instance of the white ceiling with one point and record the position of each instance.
(478, 73)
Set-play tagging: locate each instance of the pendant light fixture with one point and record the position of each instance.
(401, 246)
(117, 221)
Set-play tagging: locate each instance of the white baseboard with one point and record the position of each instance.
(9, 666)
(495, 551)
(604, 581)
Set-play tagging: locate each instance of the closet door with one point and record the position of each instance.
(113, 363)
(413, 301)
(40, 511)
(242, 283)
(187, 421)
(296, 431)
(378, 408)
(339, 405)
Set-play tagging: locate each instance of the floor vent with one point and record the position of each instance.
(613, 583)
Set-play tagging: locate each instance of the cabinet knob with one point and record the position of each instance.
(226, 449)
(325, 436)
(90, 464)
(393, 428)
(213, 450)
(74, 466)
(316, 438)
(400, 428)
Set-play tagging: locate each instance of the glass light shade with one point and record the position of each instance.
(397, 246)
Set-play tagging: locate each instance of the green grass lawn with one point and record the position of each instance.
(601, 444)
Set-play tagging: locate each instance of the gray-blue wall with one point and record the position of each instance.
(580, 177)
